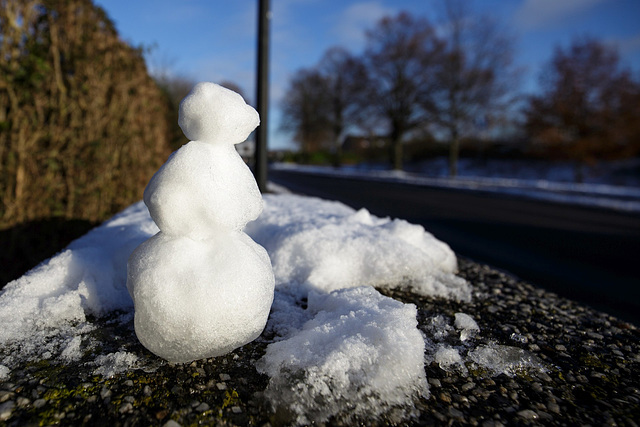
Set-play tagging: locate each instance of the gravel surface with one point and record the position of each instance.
(591, 372)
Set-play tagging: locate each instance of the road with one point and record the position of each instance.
(590, 255)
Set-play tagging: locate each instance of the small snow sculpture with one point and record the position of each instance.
(201, 287)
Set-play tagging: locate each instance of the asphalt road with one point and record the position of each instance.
(590, 255)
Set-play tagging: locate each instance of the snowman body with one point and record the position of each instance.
(201, 287)
(201, 188)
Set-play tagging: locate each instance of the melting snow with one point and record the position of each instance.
(364, 347)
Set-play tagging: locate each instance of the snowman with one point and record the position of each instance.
(201, 287)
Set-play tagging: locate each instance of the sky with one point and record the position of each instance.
(215, 40)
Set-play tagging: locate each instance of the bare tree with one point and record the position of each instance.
(345, 78)
(305, 110)
(476, 76)
(400, 57)
(589, 106)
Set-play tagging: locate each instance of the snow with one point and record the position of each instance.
(320, 245)
(346, 356)
(194, 299)
(214, 114)
(365, 346)
(201, 287)
(603, 195)
(115, 363)
(202, 188)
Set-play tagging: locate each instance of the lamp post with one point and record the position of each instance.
(262, 94)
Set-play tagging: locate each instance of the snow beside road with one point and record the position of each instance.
(594, 195)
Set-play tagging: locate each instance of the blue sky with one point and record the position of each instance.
(215, 40)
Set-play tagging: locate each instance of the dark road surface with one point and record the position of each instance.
(586, 254)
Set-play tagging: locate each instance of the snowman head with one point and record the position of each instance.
(212, 113)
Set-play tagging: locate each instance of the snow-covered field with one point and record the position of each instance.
(623, 198)
(338, 342)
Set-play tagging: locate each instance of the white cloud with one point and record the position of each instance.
(353, 21)
(536, 14)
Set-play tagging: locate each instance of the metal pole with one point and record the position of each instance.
(262, 95)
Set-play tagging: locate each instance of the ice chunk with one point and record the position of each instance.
(323, 246)
(446, 357)
(4, 372)
(72, 351)
(502, 359)
(203, 187)
(114, 363)
(212, 113)
(198, 299)
(359, 355)
(466, 325)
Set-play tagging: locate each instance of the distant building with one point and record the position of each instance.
(247, 150)
(365, 146)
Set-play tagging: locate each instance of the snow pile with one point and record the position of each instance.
(346, 357)
(44, 310)
(323, 246)
(201, 287)
(350, 351)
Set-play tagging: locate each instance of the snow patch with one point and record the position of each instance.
(4, 373)
(359, 353)
(317, 245)
(114, 363)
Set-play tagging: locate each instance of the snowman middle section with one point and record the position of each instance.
(202, 188)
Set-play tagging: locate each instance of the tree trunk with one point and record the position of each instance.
(396, 147)
(396, 154)
(454, 151)
(337, 155)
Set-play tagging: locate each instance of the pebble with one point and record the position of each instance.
(5, 410)
(445, 397)
(528, 414)
(434, 382)
(6, 395)
(22, 401)
(467, 386)
(202, 407)
(105, 393)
